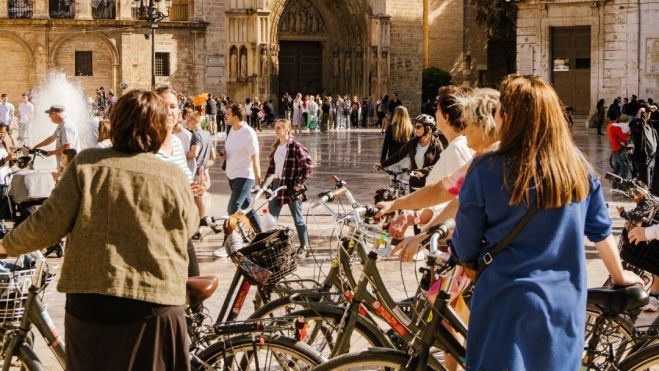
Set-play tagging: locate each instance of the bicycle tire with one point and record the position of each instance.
(644, 359)
(372, 359)
(617, 334)
(28, 360)
(373, 336)
(227, 350)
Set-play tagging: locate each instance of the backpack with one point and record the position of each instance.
(648, 138)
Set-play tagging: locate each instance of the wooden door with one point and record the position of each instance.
(570, 64)
(300, 67)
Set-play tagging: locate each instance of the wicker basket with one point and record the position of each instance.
(274, 251)
(14, 288)
(644, 255)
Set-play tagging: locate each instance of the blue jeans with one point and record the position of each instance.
(620, 166)
(296, 211)
(240, 188)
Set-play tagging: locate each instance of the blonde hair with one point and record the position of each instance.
(288, 128)
(543, 166)
(479, 109)
(401, 125)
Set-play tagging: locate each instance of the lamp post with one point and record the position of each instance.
(152, 14)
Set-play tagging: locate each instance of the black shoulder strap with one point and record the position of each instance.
(487, 259)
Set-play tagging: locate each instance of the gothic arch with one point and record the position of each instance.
(19, 40)
(23, 76)
(102, 38)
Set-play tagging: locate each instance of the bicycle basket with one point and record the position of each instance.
(644, 255)
(13, 293)
(274, 251)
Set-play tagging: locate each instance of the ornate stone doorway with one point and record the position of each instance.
(300, 67)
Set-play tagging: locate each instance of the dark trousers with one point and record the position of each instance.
(645, 170)
(193, 263)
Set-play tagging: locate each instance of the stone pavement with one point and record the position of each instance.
(350, 155)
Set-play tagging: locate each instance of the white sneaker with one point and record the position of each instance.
(220, 253)
(652, 306)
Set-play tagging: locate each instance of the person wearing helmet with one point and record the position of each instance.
(423, 150)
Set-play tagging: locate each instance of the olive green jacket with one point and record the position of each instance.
(127, 219)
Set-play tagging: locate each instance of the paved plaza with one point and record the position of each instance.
(350, 155)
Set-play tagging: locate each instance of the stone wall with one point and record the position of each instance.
(406, 51)
(624, 57)
(212, 46)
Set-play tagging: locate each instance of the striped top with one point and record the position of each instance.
(177, 157)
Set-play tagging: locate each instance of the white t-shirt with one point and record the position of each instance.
(27, 112)
(6, 113)
(456, 155)
(4, 169)
(420, 152)
(186, 138)
(280, 158)
(240, 146)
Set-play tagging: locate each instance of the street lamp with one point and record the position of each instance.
(152, 14)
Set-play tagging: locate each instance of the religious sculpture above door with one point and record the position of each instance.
(302, 17)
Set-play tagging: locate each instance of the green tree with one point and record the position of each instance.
(433, 79)
(499, 16)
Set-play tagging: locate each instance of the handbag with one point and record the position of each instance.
(479, 265)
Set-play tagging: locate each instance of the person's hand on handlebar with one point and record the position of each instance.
(408, 247)
(376, 167)
(398, 224)
(637, 235)
(386, 207)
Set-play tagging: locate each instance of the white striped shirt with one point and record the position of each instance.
(177, 157)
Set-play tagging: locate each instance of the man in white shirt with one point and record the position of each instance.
(5, 157)
(25, 117)
(242, 163)
(65, 136)
(6, 110)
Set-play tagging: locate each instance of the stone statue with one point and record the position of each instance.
(274, 55)
(335, 64)
(384, 63)
(348, 63)
(314, 23)
(264, 62)
(243, 65)
(233, 64)
(299, 22)
(374, 61)
(359, 63)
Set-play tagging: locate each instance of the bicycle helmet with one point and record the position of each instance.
(427, 121)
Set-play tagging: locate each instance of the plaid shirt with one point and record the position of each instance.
(297, 168)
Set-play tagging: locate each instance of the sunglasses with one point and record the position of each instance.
(418, 126)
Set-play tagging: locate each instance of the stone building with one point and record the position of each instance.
(243, 47)
(591, 49)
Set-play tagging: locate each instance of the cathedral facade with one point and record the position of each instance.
(242, 48)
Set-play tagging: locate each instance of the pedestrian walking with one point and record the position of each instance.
(25, 118)
(297, 113)
(64, 137)
(644, 138)
(201, 152)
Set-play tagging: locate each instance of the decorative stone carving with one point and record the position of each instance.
(384, 63)
(335, 63)
(265, 62)
(243, 62)
(233, 62)
(359, 63)
(301, 17)
(374, 61)
(274, 55)
(348, 66)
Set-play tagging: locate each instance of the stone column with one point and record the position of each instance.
(40, 9)
(4, 11)
(125, 9)
(83, 9)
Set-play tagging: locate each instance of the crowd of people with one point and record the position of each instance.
(132, 207)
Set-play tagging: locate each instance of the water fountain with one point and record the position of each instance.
(56, 88)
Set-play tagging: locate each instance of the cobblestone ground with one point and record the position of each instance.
(350, 155)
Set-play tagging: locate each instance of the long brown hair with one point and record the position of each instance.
(138, 122)
(542, 157)
(288, 128)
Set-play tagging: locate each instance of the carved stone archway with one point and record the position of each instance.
(354, 35)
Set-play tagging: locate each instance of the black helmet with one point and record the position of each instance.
(426, 120)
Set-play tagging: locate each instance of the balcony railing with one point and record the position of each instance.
(62, 8)
(20, 8)
(104, 9)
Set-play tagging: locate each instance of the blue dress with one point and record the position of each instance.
(528, 307)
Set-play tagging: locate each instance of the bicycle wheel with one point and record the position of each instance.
(24, 359)
(322, 324)
(264, 352)
(645, 359)
(616, 335)
(372, 359)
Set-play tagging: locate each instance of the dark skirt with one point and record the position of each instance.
(158, 343)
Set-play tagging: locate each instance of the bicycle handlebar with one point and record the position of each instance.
(436, 233)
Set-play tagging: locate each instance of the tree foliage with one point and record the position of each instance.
(499, 16)
(433, 79)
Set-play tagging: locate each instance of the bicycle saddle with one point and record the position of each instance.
(615, 300)
(200, 288)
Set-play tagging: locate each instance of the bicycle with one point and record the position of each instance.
(22, 307)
